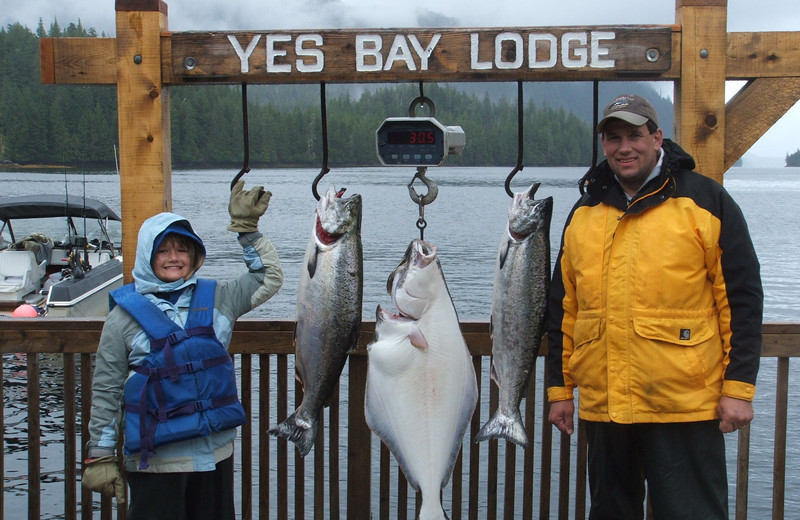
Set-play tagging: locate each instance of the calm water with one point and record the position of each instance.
(465, 222)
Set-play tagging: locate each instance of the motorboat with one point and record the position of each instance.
(69, 276)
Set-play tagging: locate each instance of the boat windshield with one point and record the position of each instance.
(64, 234)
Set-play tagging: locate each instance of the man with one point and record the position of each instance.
(655, 317)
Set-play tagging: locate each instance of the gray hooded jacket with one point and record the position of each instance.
(123, 344)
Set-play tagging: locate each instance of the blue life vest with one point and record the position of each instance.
(186, 386)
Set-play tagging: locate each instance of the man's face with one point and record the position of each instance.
(632, 152)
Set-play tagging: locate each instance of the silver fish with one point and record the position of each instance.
(519, 299)
(421, 386)
(328, 311)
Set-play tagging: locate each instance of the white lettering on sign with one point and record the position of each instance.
(474, 43)
(533, 50)
(310, 58)
(424, 54)
(579, 51)
(368, 46)
(510, 51)
(575, 49)
(598, 51)
(315, 65)
(244, 55)
(273, 53)
(404, 49)
(516, 40)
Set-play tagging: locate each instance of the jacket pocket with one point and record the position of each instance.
(585, 357)
(681, 331)
(678, 356)
(587, 328)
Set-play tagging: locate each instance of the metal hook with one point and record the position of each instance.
(418, 102)
(324, 113)
(433, 189)
(520, 120)
(422, 201)
(246, 137)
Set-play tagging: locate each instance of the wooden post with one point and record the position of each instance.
(143, 112)
(700, 91)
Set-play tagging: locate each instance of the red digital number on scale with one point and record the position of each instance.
(421, 137)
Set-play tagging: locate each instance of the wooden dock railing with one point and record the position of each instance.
(350, 473)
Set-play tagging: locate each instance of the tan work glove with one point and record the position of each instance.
(246, 207)
(103, 476)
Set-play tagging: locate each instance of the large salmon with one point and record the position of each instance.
(328, 311)
(519, 299)
(421, 385)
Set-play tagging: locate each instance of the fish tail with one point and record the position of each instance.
(431, 513)
(301, 433)
(501, 426)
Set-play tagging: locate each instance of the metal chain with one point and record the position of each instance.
(422, 200)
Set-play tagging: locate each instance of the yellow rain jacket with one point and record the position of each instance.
(655, 307)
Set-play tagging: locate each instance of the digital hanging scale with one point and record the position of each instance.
(417, 141)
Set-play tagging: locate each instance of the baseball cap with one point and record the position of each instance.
(631, 108)
(179, 227)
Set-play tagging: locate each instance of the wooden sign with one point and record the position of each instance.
(367, 55)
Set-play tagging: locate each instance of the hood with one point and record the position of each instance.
(599, 182)
(151, 234)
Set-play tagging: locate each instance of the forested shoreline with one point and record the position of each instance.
(77, 125)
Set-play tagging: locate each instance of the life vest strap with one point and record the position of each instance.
(155, 373)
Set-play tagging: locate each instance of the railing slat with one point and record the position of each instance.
(491, 481)
(299, 463)
(3, 430)
(384, 504)
(333, 457)
(359, 442)
(283, 451)
(34, 439)
(86, 416)
(530, 427)
(70, 434)
(246, 393)
(475, 448)
(547, 456)
(263, 437)
(779, 458)
(742, 470)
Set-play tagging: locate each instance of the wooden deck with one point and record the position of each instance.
(359, 479)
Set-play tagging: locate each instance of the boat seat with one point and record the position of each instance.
(96, 259)
(20, 274)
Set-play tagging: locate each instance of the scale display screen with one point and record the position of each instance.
(420, 137)
(416, 141)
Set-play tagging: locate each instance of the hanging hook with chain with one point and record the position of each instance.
(422, 200)
(324, 122)
(245, 138)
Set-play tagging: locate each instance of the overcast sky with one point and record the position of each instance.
(207, 15)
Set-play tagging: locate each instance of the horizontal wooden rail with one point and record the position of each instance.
(491, 480)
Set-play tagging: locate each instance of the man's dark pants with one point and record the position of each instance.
(682, 463)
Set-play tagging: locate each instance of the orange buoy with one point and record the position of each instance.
(25, 311)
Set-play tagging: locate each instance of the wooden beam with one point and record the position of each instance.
(700, 92)
(87, 61)
(763, 55)
(413, 54)
(78, 61)
(144, 126)
(753, 111)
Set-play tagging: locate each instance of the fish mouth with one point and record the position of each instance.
(382, 314)
(324, 236)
